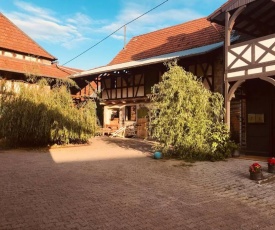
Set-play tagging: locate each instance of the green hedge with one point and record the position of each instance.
(37, 115)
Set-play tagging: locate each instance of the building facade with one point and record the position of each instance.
(125, 83)
(249, 72)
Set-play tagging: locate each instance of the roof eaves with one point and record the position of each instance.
(228, 6)
(220, 10)
(23, 72)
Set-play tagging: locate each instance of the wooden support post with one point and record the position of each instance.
(229, 23)
(226, 84)
(227, 105)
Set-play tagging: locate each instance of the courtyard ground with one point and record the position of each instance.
(115, 184)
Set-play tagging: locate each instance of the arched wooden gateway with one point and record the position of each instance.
(249, 72)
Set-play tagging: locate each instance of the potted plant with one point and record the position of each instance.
(271, 165)
(255, 171)
(233, 148)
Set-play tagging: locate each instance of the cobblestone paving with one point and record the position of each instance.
(115, 184)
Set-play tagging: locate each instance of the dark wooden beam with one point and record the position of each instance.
(226, 84)
(234, 17)
(239, 57)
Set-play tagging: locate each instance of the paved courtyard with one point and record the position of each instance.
(115, 184)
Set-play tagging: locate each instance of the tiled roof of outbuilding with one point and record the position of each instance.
(12, 38)
(28, 67)
(176, 38)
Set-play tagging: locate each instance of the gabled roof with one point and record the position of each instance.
(192, 34)
(12, 38)
(153, 60)
(28, 67)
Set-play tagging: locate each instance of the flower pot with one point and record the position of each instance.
(271, 168)
(256, 175)
(236, 153)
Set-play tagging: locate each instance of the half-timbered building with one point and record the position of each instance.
(249, 72)
(21, 57)
(126, 81)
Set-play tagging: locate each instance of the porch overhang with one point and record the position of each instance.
(218, 15)
(257, 19)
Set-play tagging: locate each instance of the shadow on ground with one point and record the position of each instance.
(130, 143)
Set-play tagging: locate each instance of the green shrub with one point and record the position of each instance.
(36, 115)
(186, 118)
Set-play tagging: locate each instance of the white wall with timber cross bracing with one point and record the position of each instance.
(123, 87)
(253, 57)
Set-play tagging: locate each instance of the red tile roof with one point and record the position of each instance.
(23, 66)
(181, 37)
(12, 38)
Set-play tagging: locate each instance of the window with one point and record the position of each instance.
(130, 113)
(115, 114)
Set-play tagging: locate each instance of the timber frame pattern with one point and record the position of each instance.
(251, 59)
(134, 84)
(122, 85)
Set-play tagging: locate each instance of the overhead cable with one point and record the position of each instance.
(115, 32)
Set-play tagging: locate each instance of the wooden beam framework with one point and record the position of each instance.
(122, 86)
(251, 59)
(203, 68)
(229, 24)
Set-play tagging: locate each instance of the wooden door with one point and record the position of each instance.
(142, 131)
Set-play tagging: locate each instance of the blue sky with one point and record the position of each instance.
(65, 28)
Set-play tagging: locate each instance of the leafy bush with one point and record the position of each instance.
(36, 115)
(186, 118)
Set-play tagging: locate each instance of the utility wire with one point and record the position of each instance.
(115, 32)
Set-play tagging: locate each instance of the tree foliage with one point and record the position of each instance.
(186, 118)
(36, 115)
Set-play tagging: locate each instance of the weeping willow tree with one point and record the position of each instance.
(186, 118)
(34, 114)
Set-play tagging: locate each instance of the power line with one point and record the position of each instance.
(115, 32)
